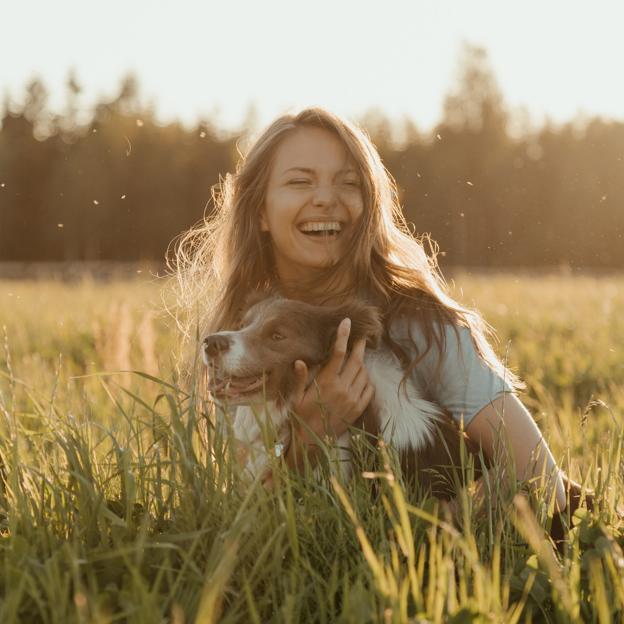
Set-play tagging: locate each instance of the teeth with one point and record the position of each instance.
(319, 226)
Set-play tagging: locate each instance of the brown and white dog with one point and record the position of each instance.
(252, 369)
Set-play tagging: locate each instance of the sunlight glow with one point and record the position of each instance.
(197, 58)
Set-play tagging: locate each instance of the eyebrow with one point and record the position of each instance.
(308, 170)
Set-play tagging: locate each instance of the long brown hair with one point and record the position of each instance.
(226, 257)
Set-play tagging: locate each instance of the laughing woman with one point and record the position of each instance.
(313, 214)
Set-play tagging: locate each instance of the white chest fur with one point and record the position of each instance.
(406, 419)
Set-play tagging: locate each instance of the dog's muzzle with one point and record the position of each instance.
(216, 344)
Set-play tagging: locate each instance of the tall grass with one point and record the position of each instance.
(119, 503)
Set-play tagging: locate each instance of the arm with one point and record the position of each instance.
(467, 386)
(529, 449)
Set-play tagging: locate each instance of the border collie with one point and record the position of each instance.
(252, 369)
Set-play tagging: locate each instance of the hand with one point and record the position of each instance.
(340, 392)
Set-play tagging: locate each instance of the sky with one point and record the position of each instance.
(555, 58)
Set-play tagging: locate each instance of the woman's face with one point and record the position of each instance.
(313, 201)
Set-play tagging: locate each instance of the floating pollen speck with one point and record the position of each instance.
(123, 197)
(59, 225)
(438, 137)
(461, 214)
(3, 185)
(139, 122)
(202, 135)
(601, 199)
(469, 183)
(96, 202)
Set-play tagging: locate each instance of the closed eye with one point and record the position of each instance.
(276, 336)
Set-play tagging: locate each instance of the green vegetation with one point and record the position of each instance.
(117, 503)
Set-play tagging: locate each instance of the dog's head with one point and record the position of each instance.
(255, 363)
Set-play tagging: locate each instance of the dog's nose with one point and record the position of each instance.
(216, 344)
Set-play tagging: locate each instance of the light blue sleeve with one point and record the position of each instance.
(466, 384)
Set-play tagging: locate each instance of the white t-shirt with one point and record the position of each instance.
(466, 384)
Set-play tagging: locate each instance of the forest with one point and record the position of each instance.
(493, 189)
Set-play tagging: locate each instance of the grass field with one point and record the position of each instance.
(117, 503)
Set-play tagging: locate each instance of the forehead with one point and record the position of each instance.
(311, 148)
(274, 308)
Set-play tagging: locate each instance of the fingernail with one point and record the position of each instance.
(348, 323)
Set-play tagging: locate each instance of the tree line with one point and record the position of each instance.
(490, 188)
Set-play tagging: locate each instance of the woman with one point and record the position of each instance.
(312, 213)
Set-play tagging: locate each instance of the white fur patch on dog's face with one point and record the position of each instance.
(234, 357)
(233, 360)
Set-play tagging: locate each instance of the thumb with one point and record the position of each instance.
(301, 377)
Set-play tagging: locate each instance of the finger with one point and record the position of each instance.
(359, 383)
(355, 362)
(301, 378)
(336, 361)
(366, 398)
(358, 408)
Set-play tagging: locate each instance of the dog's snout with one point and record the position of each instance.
(216, 344)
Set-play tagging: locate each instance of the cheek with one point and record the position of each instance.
(277, 217)
(282, 204)
(355, 204)
(358, 210)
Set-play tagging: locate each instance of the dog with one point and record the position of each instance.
(252, 368)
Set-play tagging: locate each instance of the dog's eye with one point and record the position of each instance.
(277, 336)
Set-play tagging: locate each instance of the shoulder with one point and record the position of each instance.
(446, 339)
(450, 370)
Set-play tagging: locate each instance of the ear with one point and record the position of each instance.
(365, 323)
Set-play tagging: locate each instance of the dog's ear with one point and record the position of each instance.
(365, 323)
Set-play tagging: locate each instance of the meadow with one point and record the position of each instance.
(118, 502)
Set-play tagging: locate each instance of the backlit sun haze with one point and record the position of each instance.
(195, 59)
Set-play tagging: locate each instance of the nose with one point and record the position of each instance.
(324, 195)
(216, 344)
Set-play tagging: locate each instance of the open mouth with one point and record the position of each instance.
(321, 229)
(238, 387)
